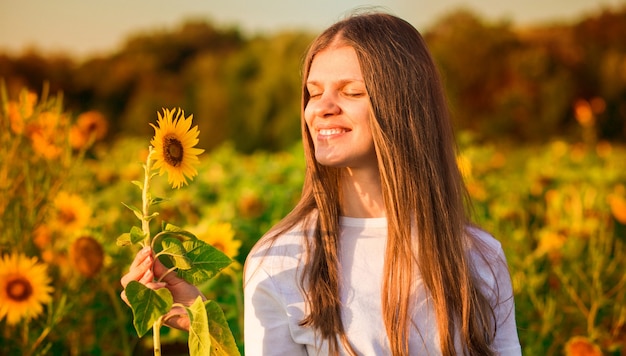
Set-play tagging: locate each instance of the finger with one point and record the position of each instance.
(138, 268)
(147, 277)
(156, 285)
(141, 256)
(134, 274)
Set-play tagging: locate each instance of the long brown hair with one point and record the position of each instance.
(423, 193)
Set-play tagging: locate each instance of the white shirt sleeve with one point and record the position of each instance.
(497, 286)
(506, 341)
(266, 320)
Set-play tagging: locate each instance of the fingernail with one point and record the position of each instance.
(146, 250)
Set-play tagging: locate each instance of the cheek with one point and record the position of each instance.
(308, 118)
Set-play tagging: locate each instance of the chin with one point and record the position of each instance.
(328, 162)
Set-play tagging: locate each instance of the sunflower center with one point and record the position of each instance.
(220, 246)
(172, 150)
(91, 128)
(19, 289)
(67, 216)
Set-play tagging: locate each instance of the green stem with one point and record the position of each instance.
(166, 273)
(42, 336)
(156, 336)
(24, 335)
(120, 317)
(236, 278)
(145, 227)
(145, 198)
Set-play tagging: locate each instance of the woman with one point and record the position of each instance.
(379, 256)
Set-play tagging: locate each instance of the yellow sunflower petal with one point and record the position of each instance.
(24, 288)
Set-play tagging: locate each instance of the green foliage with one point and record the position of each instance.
(44, 215)
(554, 207)
(559, 211)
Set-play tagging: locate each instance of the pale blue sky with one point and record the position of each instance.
(85, 27)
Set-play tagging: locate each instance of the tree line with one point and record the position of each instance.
(503, 82)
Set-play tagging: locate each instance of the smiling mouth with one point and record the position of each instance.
(331, 132)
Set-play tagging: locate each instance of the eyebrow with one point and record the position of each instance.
(341, 82)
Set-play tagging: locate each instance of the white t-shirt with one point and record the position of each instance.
(274, 303)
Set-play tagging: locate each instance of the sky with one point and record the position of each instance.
(84, 28)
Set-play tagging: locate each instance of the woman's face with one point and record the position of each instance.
(338, 110)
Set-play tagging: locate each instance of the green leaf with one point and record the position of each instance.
(206, 261)
(199, 336)
(172, 231)
(135, 210)
(179, 231)
(151, 216)
(222, 340)
(123, 240)
(148, 305)
(138, 183)
(137, 235)
(173, 248)
(157, 200)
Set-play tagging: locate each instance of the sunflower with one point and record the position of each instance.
(24, 288)
(173, 143)
(71, 212)
(581, 346)
(87, 256)
(90, 126)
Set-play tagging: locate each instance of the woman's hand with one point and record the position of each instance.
(145, 268)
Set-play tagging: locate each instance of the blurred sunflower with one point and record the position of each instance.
(21, 111)
(87, 256)
(581, 346)
(551, 244)
(71, 212)
(173, 143)
(24, 288)
(90, 126)
(617, 203)
(47, 134)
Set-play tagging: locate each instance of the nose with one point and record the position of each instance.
(326, 105)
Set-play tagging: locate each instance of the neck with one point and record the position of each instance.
(361, 194)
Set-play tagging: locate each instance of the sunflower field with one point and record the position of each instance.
(559, 210)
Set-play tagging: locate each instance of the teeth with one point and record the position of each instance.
(330, 131)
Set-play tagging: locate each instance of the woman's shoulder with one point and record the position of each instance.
(279, 249)
(484, 243)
